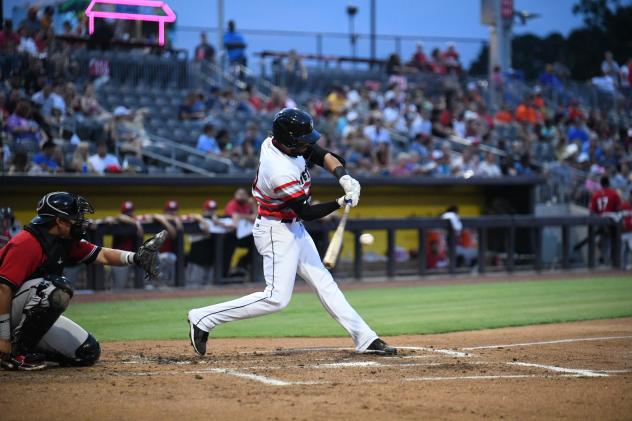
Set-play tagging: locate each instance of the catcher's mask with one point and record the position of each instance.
(67, 206)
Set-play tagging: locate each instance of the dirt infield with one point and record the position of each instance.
(565, 371)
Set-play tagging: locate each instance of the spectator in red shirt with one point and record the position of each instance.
(127, 242)
(437, 63)
(254, 99)
(419, 59)
(8, 226)
(603, 202)
(31, 267)
(172, 223)
(243, 209)
(606, 200)
(204, 51)
(9, 40)
(626, 237)
(451, 58)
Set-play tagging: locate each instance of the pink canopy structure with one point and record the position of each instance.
(168, 17)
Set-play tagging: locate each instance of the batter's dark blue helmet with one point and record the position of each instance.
(292, 126)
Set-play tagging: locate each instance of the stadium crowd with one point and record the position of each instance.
(443, 125)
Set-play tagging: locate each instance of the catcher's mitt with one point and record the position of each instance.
(147, 255)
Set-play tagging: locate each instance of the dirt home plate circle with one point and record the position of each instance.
(367, 239)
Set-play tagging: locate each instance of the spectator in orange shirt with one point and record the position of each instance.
(526, 113)
(504, 115)
(538, 101)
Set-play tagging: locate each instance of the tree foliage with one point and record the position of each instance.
(607, 26)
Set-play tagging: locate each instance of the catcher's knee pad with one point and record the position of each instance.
(59, 300)
(61, 283)
(88, 353)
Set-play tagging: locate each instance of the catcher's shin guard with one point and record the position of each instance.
(86, 355)
(40, 313)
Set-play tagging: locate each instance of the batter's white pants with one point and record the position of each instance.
(287, 249)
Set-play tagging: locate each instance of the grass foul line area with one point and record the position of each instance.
(389, 311)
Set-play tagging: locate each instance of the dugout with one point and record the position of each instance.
(382, 197)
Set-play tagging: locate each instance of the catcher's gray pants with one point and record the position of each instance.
(65, 340)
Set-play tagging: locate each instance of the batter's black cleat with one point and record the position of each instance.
(198, 338)
(380, 347)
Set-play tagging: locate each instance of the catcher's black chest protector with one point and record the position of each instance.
(57, 251)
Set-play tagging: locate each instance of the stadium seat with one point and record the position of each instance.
(135, 163)
(68, 147)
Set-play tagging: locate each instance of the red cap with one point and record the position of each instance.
(127, 206)
(210, 205)
(171, 205)
(113, 169)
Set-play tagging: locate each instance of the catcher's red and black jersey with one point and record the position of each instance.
(26, 257)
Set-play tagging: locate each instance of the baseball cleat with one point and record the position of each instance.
(24, 363)
(380, 347)
(198, 338)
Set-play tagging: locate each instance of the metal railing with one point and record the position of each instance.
(136, 69)
(173, 148)
(510, 225)
(328, 43)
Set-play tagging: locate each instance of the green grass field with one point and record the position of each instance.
(390, 311)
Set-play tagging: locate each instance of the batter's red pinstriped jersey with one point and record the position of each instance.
(279, 178)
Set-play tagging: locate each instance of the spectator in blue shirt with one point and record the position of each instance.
(577, 132)
(45, 159)
(548, 79)
(206, 142)
(235, 45)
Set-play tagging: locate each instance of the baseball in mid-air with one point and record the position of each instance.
(367, 239)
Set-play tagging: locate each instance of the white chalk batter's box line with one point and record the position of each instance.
(449, 352)
(551, 342)
(271, 381)
(560, 371)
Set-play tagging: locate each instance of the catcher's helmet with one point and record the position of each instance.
(61, 204)
(292, 127)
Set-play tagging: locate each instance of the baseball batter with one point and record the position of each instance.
(282, 189)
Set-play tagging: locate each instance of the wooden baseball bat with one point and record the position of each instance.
(335, 245)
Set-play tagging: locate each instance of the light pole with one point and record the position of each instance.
(351, 12)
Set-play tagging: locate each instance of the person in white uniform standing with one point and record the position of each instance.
(282, 188)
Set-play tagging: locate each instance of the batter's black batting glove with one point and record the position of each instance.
(147, 255)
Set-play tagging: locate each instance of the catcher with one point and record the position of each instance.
(34, 294)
